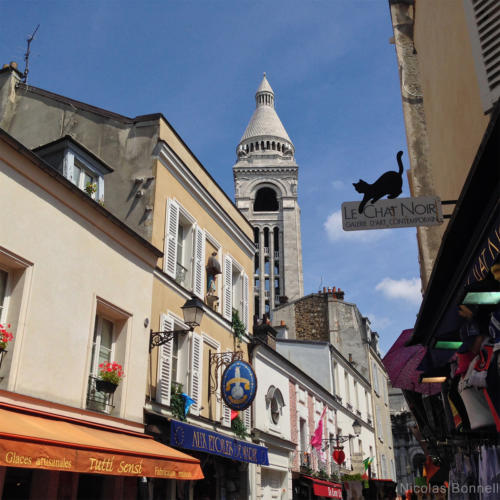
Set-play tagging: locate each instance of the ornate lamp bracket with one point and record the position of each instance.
(217, 361)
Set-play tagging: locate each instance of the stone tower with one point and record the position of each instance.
(265, 181)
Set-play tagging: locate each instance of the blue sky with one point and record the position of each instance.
(199, 62)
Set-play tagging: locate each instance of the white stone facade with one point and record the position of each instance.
(265, 179)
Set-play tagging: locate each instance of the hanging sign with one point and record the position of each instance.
(386, 214)
(238, 385)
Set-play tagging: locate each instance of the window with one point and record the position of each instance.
(184, 249)
(78, 164)
(173, 360)
(347, 388)
(3, 295)
(266, 200)
(379, 424)
(336, 378)
(102, 352)
(275, 404)
(375, 377)
(356, 395)
(85, 179)
(384, 467)
(235, 294)
(484, 29)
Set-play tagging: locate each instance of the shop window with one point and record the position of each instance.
(17, 483)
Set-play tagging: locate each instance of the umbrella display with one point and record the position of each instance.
(402, 365)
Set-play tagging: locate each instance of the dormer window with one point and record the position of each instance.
(78, 164)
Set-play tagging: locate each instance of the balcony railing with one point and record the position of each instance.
(276, 254)
(96, 400)
(266, 250)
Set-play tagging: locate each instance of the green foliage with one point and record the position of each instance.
(351, 477)
(334, 478)
(322, 474)
(177, 402)
(91, 188)
(238, 427)
(238, 326)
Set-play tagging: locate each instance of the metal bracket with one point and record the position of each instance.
(157, 339)
(218, 360)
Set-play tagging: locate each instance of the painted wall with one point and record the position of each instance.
(453, 110)
(71, 257)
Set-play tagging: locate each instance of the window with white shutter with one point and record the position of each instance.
(171, 228)
(164, 364)
(247, 418)
(196, 372)
(483, 19)
(228, 287)
(226, 411)
(199, 263)
(244, 301)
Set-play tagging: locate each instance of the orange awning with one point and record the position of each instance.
(43, 441)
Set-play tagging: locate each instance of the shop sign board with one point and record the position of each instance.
(192, 437)
(387, 214)
(323, 489)
(238, 385)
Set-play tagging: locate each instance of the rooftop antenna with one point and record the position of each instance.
(27, 55)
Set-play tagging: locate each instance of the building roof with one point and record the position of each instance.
(43, 165)
(265, 121)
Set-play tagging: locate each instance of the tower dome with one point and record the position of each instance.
(265, 133)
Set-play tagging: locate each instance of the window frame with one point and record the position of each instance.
(4, 301)
(70, 155)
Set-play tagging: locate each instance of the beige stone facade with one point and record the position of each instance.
(445, 118)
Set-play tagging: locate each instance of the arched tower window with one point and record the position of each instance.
(266, 200)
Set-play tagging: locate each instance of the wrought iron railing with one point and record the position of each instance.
(97, 400)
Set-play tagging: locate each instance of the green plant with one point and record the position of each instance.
(177, 402)
(237, 324)
(334, 478)
(238, 427)
(351, 477)
(322, 474)
(91, 188)
(111, 372)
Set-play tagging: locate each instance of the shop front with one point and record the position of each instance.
(224, 461)
(311, 488)
(459, 325)
(47, 456)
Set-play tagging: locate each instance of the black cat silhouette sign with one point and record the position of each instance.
(374, 213)
(389, 184)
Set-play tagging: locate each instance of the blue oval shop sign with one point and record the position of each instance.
(239, 385)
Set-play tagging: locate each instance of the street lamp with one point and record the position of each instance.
(192, 312)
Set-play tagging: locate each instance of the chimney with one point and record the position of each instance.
(281, 331)
(265, 332)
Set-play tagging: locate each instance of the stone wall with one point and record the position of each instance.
(311, 318)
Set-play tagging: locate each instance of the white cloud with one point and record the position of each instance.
(334, 231)
(378, 323)
(405, 289)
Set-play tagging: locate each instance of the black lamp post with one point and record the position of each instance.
(192, 312)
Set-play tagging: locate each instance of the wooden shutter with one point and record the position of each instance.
(226, 411)
(199, 263)
(244, 300)
(196, 372)
(483, 19)
(164, 364)
(171, 227)
(247, 418)
(228, 287)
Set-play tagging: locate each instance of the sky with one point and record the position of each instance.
(199, 62)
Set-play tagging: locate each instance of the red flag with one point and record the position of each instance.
(234, 414)
(317, 438)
